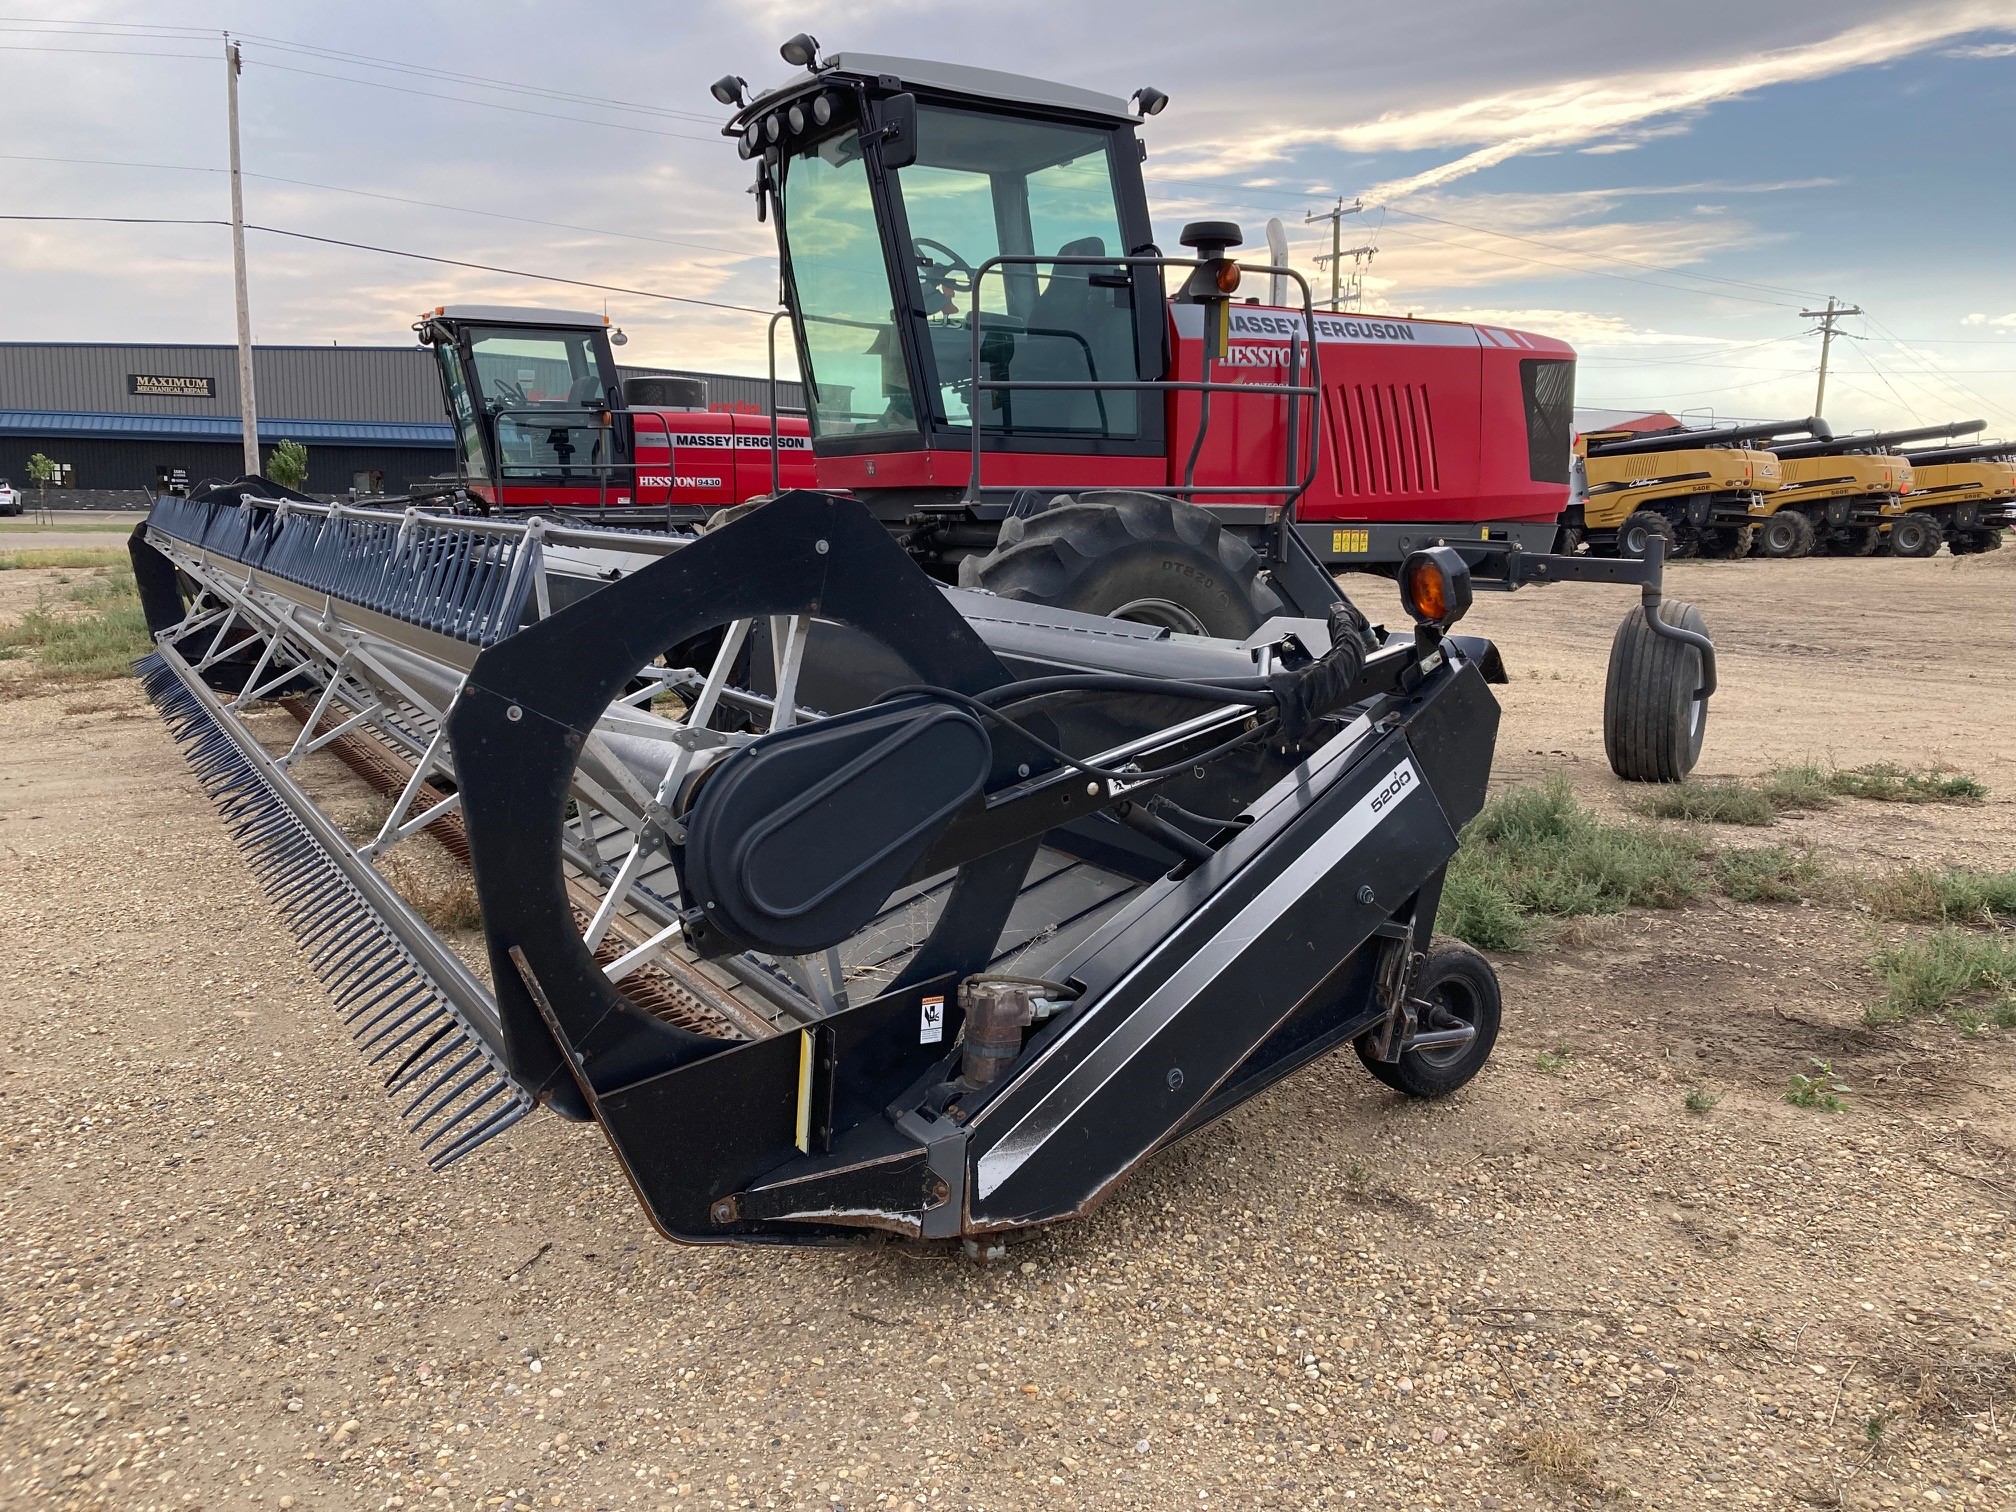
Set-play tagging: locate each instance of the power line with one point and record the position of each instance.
(1436, 241)
(106, 52)
(452, 262)
(428, 94)
(397, 199)
(1615, 257)
(40, 27)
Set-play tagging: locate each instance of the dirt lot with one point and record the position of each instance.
(226, 1281)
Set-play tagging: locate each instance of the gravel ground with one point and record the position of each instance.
(226, 1281)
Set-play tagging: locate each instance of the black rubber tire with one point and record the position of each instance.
(1728, 543)
(1457, 980)
(1151, 558)
(1786, 534)
(1652, 723)
(1975, 541)
(1857, 541)
(1913, 536)
(1632, 533)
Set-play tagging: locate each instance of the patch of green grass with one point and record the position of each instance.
(1886, 783)
(63, 556)
(95, 632)
(1698, 1101)
(1793, 789)
(1707, 802)
(82, 527)
(1810, 786)
(1823, 1089)
(1767, 873)
(1535, 853)
(1958, 895)
(1948, 972)
(1554, 1061)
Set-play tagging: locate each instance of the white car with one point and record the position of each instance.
(10, 501)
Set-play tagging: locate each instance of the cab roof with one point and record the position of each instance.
(523, 315)
(958, 78)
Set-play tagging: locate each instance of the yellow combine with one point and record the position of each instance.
(1701, 491)
(1962, 497)
(1835, 496)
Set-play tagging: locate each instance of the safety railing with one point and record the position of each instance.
(1297, 476)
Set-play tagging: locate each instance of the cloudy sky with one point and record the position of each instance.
(1667, 187)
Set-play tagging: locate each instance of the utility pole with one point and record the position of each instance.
(1826, 317)
(248, 406)
(1338, 252)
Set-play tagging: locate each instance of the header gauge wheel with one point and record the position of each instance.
(1653, 724)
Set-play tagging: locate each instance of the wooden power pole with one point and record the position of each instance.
(248, 405)
(1826, 317)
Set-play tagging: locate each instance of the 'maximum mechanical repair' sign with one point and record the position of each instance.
(168, 386)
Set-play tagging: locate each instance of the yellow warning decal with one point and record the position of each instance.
(1350, 542)
(804, 1132)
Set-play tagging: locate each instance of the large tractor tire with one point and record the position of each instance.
(1973, 542)
(1728, 543)
(1916, 536)
(1459, 988)
(1634, 536)
(1786, 534)
(1652, 722)
(1854, 541)
(1139, 557)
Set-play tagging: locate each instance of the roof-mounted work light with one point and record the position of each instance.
(730, 89)
(802, 51)
(1149, 100)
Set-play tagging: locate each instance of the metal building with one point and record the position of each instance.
(123, 420)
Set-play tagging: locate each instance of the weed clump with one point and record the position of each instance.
(1969, 977)
(1699, 1101)
(1811, 786)
(1955, 896)
(1536, 853)
(1767, 873)
(1822, 1089)
(1708, 803)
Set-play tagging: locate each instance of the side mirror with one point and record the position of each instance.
(896, 129)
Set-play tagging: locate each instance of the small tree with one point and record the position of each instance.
(42, 472)
(288, 466)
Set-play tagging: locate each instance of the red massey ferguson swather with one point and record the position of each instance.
(852, 901)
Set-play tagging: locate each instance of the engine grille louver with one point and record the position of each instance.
(452, 1089)
(1385, 440)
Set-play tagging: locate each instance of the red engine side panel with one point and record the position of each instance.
(1422, 420)
(707, 459)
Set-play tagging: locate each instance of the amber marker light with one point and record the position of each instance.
(1435, 586)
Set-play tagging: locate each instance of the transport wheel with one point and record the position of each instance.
(1728, 543)
(1914, 537)
(1459, 987)
(1140, 557)
(1652, 722)
(1634, 536)
(1972, 542)
(1786, 534)
(1858, 540)
(1570, 542)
